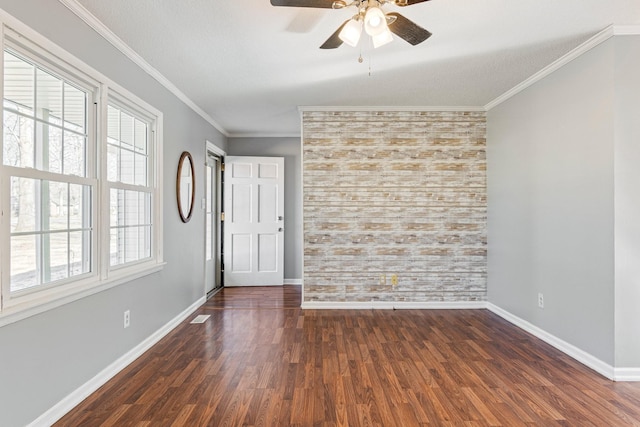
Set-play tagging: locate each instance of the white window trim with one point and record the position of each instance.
(25, 47)
(21, 306)
(136, 105)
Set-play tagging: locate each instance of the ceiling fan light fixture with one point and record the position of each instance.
(382, 38)
(351, 32)
(374, 21)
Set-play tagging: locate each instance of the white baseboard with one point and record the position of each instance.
(627, 374)
(72, 400)
(393, 305)
(293, 282)
(570, 350)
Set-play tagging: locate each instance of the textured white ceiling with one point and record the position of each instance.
(249, 65)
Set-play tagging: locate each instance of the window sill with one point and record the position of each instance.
(19, 312)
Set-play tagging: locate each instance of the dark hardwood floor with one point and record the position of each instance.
(262, 361)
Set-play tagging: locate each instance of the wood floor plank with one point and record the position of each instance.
(260, 360)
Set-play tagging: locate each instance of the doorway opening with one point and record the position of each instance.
(214, 278)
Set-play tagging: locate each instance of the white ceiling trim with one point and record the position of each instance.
(117, 42)
(329, 108)
(383, 108)
(264, 135)
(626, 30)
(594, 41)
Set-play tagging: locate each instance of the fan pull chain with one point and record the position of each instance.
(370, 53)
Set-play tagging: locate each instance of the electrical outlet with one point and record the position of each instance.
(394, 280)
(540, 300)
(383, 279)
(127, 318)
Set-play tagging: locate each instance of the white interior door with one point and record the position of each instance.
(254, 221)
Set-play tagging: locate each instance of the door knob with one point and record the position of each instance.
(280, 229)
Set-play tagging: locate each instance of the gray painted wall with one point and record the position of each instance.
(46, 357)
(627, 202)
(290, 149)
(550, 163)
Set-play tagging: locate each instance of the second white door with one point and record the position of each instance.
(254, 221)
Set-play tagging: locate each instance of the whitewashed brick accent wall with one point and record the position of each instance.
(394, 193)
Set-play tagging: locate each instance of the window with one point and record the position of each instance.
(129, 191)
(83, 206)
(45, 151)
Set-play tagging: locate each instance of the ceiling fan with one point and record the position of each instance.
(377, 24)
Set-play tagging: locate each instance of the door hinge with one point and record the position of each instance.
(222, 167)
(222, 216)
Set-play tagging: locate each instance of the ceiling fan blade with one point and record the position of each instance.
(322, 4)
(403, 3)
(334, 40)
(407, 29)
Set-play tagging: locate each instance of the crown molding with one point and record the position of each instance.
(602, 36)
(263, 135)
(126, 50)
(626, 30)
(329, 108)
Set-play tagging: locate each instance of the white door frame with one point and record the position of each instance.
(210, 147)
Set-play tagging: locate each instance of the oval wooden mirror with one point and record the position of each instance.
(186, 186)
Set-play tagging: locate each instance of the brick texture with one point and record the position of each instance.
(394, 193)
